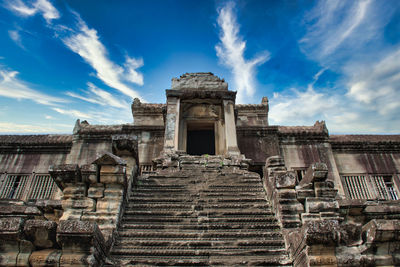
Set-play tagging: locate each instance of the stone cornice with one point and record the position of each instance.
(202, 94)
(35, 143)
(260, 108)
(365, 143)
(259, 131)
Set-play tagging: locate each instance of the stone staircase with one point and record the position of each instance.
(205, 214)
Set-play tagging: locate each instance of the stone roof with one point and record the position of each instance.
(36, 139)
(199, 81)
(317, 128)
(252, 107)
(364, 138)
(109, 159)
(146, 108)
(99, 128)
(113, 129)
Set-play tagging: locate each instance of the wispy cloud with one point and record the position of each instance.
(12, 128)
(347, 37)
(12, 87)
(333, 22)
(378, 85)
(372, 103)
(16, 37)
(301, 107)
(74, 113)
(43, 7)
(231, 50)
(99, 96)
(107, 115)
(86, 43)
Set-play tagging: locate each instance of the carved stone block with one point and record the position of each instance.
(45, 258)
(41, 233)
(96, 190)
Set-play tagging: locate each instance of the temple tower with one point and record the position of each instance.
(200, 116)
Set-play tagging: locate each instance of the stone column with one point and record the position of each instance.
(172, 125)
(230, 128)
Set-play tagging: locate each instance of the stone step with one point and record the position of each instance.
(200, 244)
(182, 219)
(201, 216)
(273, 226)
(229, 251)
(272, 261)
(204, 190)
(205, 212)
(245, 234)
(193, 198)
(210, 180)
(246, 206)
(200, 194)
(193, 206)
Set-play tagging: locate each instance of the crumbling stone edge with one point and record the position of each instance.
(322, 230)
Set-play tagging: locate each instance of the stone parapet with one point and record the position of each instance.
(332, 231)
(82, 243)
(280, 187)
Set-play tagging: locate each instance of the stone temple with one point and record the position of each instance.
(199, 181)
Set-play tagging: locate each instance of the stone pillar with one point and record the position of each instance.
(172, 124)
(230, 128)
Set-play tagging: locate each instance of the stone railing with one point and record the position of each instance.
(322, 230)
(77, 230)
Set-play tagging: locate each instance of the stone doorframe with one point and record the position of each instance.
(191, 107)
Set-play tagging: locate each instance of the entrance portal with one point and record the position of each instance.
(200, 140)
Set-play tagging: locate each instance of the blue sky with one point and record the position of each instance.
(337, 61)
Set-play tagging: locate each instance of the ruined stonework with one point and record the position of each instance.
(199, 181)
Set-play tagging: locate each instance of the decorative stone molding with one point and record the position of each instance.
(199, 81)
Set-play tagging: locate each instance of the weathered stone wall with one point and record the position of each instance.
(252, 115)
(355, 163)
(29, 163)
(258, 143)
(32, 153)
(145, 114)
(302, 146)
(85, 151)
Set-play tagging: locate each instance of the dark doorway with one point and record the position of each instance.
(200, 142)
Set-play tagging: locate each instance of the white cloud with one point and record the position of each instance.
(131, 75)
(375, 110)
(48, 117)
(16, 37)
(231, 53)
(73, 113)
(12, 87)
(44, 7)
(106, 115)
(86, 43)
(12, 128)
(98, 96)
(378, 85)
(300, 107)
(333, 22)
